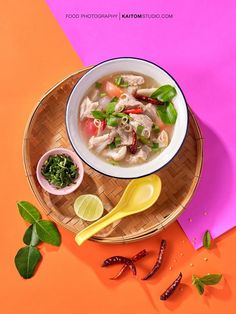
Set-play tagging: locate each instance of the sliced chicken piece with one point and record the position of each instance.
(141, 155)
(86, 107)
(163, 139)
(99, 143)
(126, 137)
(141, 119)
(127, 101)
(146, 91)
(131, 90)
(133, 80)
(116, 154)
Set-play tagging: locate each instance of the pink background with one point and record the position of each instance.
(197, 46)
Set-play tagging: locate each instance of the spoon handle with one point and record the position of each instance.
(98, 225)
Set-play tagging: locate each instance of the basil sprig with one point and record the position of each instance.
(208, 280)
(167, 113)
(207, 240)
(28, 257)
(164, 93)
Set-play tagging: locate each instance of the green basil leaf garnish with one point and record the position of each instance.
(211, 279)
(98, 115)
(28, 211)
(26, 261)
(198, 284)
(207, 240)
(48, 232)
(30, 236)
(167, 113)
(164, 93)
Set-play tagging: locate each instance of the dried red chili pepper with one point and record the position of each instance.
(103, 124)
(153, 101)
(135, 258)
(169, 291)
(158, 262)
(120, 260)
(135, 110)
(133, 147)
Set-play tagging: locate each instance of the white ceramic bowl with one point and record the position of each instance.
(125, 65)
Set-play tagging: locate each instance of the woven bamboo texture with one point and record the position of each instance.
(46, 129)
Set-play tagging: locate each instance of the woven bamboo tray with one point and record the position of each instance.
(46, 130)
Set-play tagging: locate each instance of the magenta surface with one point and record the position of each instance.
(197, 46)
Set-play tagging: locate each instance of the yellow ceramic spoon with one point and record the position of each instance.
(139, 195)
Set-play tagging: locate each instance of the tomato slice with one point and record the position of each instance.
(113, 90)
(89, 127)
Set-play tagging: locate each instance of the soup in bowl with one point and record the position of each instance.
(126, 118)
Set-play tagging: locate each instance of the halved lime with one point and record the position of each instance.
(88, 207)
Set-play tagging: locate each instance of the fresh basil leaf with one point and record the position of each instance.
(172, 113)
(198, 284)
(28, 211)
(98, 85)
(30, 236)
(48, 232)
(167, 113)
(98, 115)
(211, 279)
(139, 130)
(26, 261)
(112, 121)
(207, 240)
(164, 93)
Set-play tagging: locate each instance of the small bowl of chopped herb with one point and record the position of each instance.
(60, 171)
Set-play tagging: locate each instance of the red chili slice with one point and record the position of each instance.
(120, 260)
(170, 290)
(135, 258)
(148, 99)
(133, 146)
(158, 262)
(103, 124)
(135, 110)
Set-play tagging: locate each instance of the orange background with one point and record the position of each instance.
(35, 54)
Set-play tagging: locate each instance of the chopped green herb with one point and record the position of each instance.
(98, 85)
(97, 114)
(119, 81)
(112, 121)
(155, 128)
(103, 94)
(117, 140)
(112, 145)
(139, 130)
(59, 170)
(164, 93)
(144, 140)
(155, 147)
(121, 115)
(167, 113)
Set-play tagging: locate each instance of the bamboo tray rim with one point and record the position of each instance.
(121, 239)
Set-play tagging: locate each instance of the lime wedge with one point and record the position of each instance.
(88, 207)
